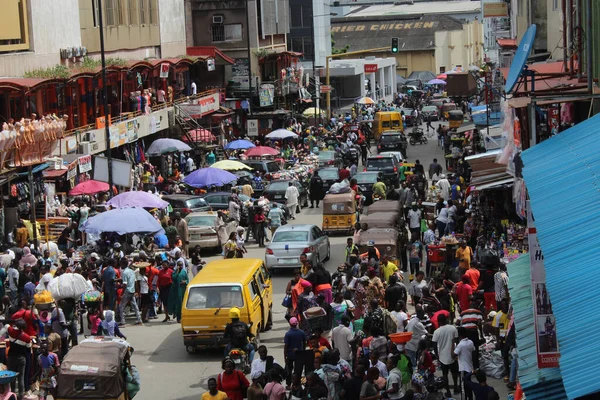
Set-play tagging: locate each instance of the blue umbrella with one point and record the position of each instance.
(137, 198)
(123, 221)
(240, 144)
(206, 177)
(164, 146)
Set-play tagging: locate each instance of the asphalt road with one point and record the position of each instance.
(169, 372)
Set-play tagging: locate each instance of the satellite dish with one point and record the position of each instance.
(520, 58)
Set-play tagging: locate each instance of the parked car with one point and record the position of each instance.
(389, 168)
(392, 141)
(365, 181)
(329, 177)
(408, 114)
(275, 191)
(266, 167)
(202, 230)
(330, 159)
(290, 241)
(430, 110)
(185, 203)
(220, 201)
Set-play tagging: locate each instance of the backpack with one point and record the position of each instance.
(239, 332)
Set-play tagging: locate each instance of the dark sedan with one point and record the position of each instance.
(408, 116)
(329, 177)
(365, 181)
(330, 159)
(275, 191)
(392, 141)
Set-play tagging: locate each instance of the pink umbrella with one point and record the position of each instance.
(260, 151)
(442, 76)
(89, 187)
(199, 135)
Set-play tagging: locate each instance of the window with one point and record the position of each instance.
(203, 297)
(227, 33)
(132, 11)
(296, 16)
(144, 9)
(290, 236)
(307, 19)
(264, 271)
(555, 5)
(109, 12)
(252, 289)
(153, 12)
(442, 70)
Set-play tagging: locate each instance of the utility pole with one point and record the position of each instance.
(249, 57)
(105, 97)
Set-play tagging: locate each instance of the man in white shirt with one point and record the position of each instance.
(342, 336)
(291, 196)
(444, 185)
(191, 166)
(418, 330)
(414, 222)
(443, 339)
(464, 353)
(263, 361)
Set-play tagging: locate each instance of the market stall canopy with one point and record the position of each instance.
(230, 165)
(123, 221)
(240, 144)
(89, 187)
(365, 100)
(207, 177)
(421, 76)
(137, 198)
(199, 136)
(164, 146)
(442, 76)
(260, 151)
(311, 111)
(281, 134)
(436, 81)
(487, 173)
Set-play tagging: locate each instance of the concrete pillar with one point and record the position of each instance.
(363, 90)
(373, 85)
(382, 82)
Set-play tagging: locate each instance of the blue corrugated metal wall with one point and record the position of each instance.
(537, 383)
(563, 180)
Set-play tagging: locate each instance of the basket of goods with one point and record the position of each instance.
(401, 337)
(449, 239)
(93, 298)
(43, 300)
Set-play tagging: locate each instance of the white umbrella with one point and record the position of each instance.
(365, 100)
(281, 134)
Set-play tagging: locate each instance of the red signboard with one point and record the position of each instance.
(370, 68)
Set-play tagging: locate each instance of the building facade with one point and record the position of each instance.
(42, 34)
(310, 31)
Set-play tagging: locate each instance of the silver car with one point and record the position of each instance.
(201, 226)
(290, 241)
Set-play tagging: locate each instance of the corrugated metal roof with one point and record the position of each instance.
(565, 202)
(537, 383)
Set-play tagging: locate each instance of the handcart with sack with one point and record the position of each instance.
(98, 368)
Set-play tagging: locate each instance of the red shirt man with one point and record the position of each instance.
(30, 320)
(464, 291)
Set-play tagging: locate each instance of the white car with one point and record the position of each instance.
(202, 232)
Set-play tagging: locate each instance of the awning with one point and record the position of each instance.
(210, 51)
(465, 128)
(545, 383)
(36, 169)
(487, 173)
(507, 42)
(570, 241)
(55, 173)
(25, 84)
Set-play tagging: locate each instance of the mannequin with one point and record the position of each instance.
(133, 102)
(140, 99)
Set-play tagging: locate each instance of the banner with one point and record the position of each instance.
(543, 317)
(266, 95)
(72, 172)
(202, 106)
(495, 9)
(85, 164)
(132, 130)
(164, 70)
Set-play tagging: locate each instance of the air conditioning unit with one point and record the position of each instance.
(84, 148)
(89, 136)
(55, 162)
(218, 19)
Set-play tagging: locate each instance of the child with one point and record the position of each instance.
(94, 321)
(110, 327)
(415, 257)
(53, 340)
(49, 364)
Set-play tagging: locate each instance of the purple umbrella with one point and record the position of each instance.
(206, 177)
(436, 82)
(137, 199)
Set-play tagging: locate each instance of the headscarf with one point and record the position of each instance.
(27, 258)
(109, 324)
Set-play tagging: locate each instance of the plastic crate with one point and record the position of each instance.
(436, 254)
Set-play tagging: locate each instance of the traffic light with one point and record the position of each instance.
(394, 45)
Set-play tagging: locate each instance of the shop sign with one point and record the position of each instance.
(202, 106)
(72, 172)
(544, 320)
(252, 127)
(164, 70)
(384, 27)
(71, 143)
(495, 9)
(266, 95)
(210, 64)
(101, 122)
(553, 118)
(240, 72)
(370, 68)
(85, 164)
(132, 130)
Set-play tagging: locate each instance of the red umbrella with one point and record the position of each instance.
(261, 151)
(199, 135)
(442, 76)
(89, 187)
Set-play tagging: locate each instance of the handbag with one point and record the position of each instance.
(243, 387)
(287, 301)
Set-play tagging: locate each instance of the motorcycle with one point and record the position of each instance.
(241, 360)
(417, 136)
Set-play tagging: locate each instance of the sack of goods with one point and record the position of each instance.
(68, 286)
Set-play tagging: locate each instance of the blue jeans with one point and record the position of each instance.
(441, 227)
(249, 349)
(412, 356)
